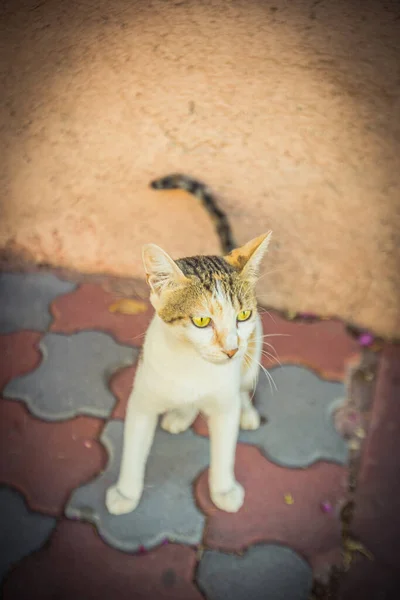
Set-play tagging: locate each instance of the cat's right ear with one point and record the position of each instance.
(162, 272)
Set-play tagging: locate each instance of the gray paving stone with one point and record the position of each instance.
(264, 572)
(167, 509)
(73, 376)
(25, 299)
(21, 531)
(299, 429)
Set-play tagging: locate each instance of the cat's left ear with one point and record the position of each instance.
(248, 258)
(162, 272)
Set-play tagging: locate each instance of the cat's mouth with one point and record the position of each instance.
(222, 358)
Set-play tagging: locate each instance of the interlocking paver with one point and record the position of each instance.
(167, 509)
(25, 299)
(121, 385)
(295, 507)
(72, 377)
(298, 428)
(85, 373)
(21, 531)
(88, 308)
(264, 571)
(78, 564)
(46, 461)
(19, 354)
(323, 346)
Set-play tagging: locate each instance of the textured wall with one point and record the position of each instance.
(290, 110)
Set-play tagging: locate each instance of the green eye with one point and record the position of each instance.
(201, 321)
(244, 315)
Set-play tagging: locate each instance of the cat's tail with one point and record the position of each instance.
(203, 193)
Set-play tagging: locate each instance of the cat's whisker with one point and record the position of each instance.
(264, 311)
(264, 343)
(271, 357)
(138, 336)
(254, 383)
(269, 377)
(249, 361)
(276, 335)
(272, 348)
(269, 345)
(247, 358)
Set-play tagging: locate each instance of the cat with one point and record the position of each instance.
(201, 354)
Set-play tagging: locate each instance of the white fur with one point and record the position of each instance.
(187, 369)
(176, 379)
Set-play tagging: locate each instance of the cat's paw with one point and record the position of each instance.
(249, 419)
(230, 501)
(117, 504)
(177, 421)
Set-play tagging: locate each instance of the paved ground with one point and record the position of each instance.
(67, 364)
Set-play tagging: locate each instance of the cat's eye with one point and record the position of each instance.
(244, 315)
(201, 321)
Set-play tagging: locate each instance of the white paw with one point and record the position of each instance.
(176, 422)
(249, 419)
(230, 501)
(117, 504)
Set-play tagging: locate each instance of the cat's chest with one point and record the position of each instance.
(180, 380)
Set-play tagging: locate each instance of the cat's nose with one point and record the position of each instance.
(231, 353)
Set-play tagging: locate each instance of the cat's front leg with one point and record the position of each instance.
(249, 417)
(139, 431)
(226, 493)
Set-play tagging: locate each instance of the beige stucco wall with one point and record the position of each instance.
(290, 110)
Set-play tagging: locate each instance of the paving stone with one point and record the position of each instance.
(298, 428)
(309, 523)
(25, 300)
(88, 308)
(21, 532)
(19, 354)
(167, 509)
(264, 571)
(72, 377)
(45, 461)
(121, 385)
(323, 346)
(78, 564)
(377, 506)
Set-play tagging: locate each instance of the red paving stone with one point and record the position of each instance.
(88, 308)
(46, 461)
(78, 564)
(323, 346)
(121, 386)
(19, 354)
(377, 499)
(200, 426)
(265, 517)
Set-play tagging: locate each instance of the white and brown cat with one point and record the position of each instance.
(201, 354)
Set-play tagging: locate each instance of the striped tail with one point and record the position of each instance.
(202, 193)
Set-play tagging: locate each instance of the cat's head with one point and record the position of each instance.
(207, 301)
